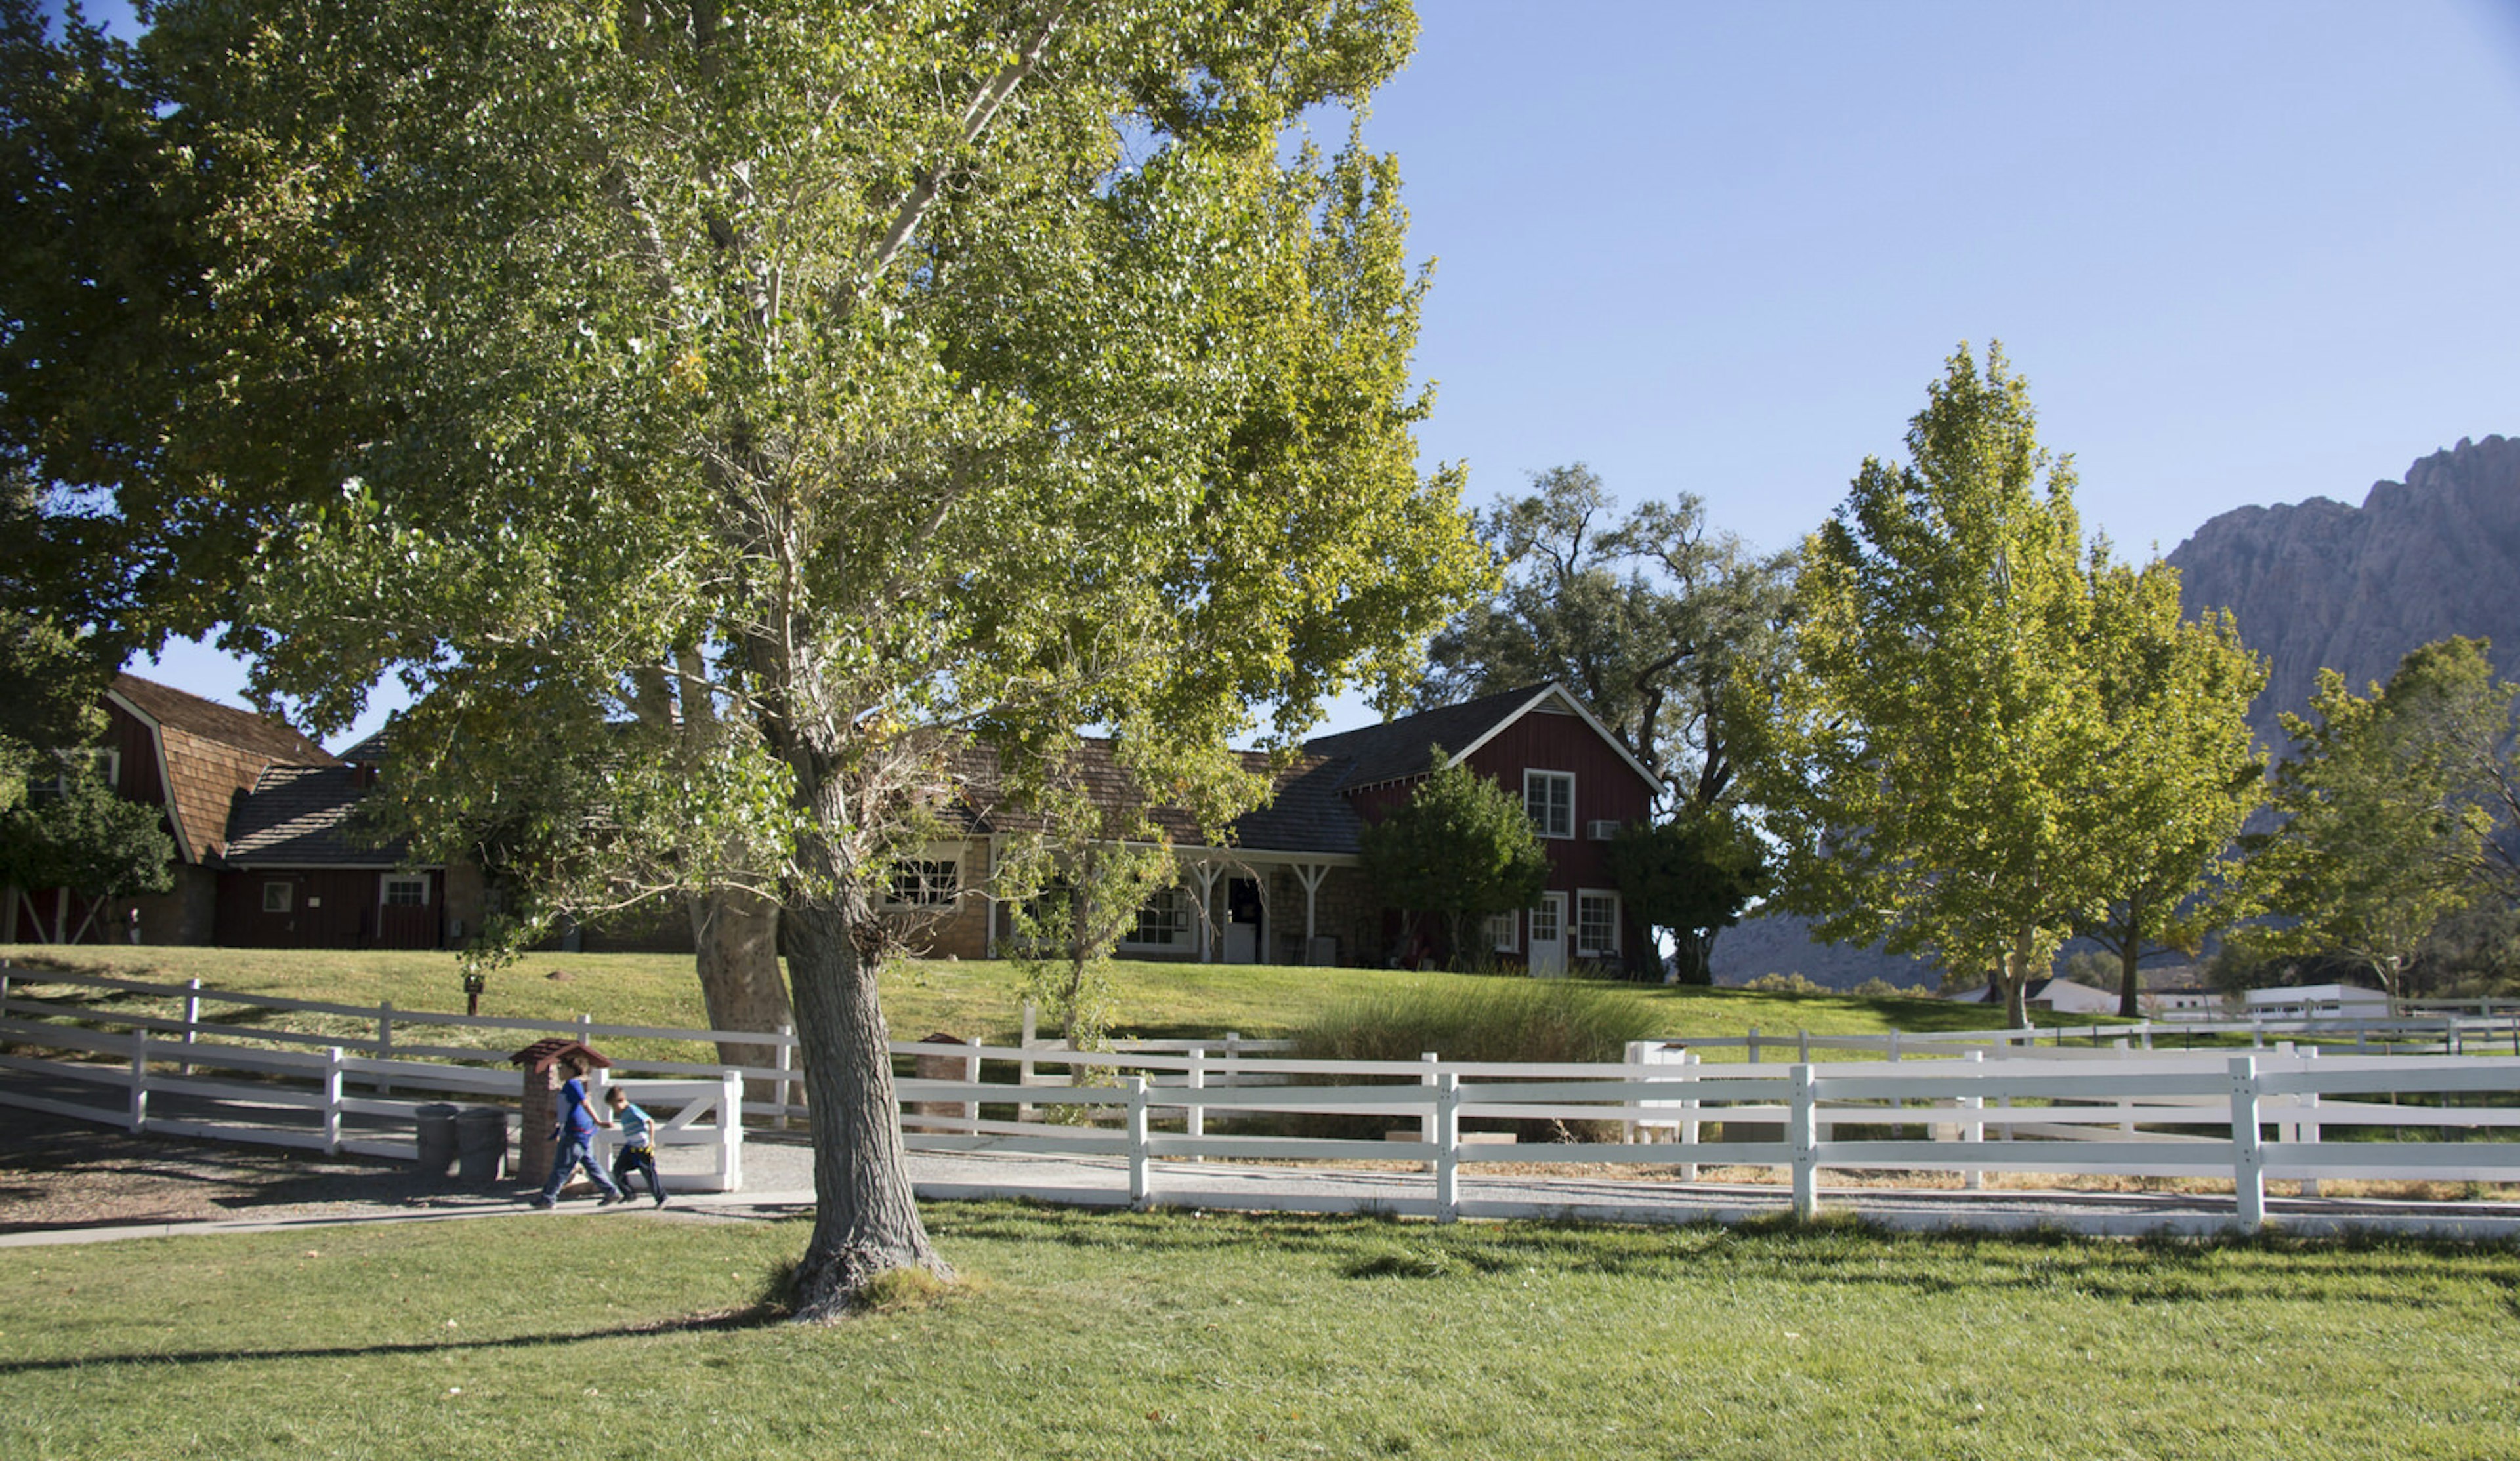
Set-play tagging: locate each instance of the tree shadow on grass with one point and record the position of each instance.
(728, 1322)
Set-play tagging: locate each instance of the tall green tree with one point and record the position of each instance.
(1932, 781)
(1076, 878)
(2389, 811)
(1648, 616)
(862, 380)
(1460, 848)
(1692, 874)
(83, 838)
(2182, 772)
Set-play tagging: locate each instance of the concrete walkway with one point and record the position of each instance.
(780, 1177)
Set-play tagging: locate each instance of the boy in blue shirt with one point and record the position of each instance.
(638, 1145)
(573, 1137)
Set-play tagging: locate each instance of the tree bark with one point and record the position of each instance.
(2129, 979)
(1692, 953)
(2014, 978)
(866, 1221)
(735, 940)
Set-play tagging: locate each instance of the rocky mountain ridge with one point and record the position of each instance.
(2318, 583)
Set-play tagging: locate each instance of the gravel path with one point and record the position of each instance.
(67, 1181)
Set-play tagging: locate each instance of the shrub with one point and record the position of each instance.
(1482, 1019)
(1787, 984)
(1551, 1021)
(1877, 987)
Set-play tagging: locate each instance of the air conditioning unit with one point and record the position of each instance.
(1603, 831)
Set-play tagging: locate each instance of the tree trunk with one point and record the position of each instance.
(1692, 953)
(2016, 978)
(735, 938)
(2129, 980)
(866, 1221)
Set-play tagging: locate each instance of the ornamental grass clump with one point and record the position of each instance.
(1539, 1022)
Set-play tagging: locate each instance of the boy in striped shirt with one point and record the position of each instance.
(638, 1145)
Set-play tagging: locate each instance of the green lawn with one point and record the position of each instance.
(1111, 1335)
(976, 997)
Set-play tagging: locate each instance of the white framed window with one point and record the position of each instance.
(1550, 798)
(1163, 921)
(404, 890)
(926, 884)
(1545, 918)
(1504, 932)
(1597, 923)
(278, 898)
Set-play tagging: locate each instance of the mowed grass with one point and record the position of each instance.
(967, 998)
(1111, 1335)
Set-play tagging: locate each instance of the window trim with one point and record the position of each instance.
(1532, 776)
(387, 882)
(925, 878)
(1575, 932)
(1177, 928)
(1509, 938)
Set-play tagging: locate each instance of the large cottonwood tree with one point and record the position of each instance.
(829, 383)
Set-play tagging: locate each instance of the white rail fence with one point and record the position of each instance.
(2248, 1117)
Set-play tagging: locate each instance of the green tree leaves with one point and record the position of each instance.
(1461, 848)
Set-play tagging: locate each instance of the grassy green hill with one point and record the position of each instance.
(964, 999)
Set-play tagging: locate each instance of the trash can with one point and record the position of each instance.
(481, 1145)
(436, 1139)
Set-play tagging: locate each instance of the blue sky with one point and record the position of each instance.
(2244, 252)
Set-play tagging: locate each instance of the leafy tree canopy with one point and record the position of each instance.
(849, 382)
(1934, 781)
(1693, 876)
(1648, 618)
(2390, 803)
(1461, 848)
(2182, 771)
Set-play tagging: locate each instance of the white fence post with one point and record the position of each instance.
(1024, 1067)
(1802, 1129)
(972, 1077)
(1194, 1115)
(1448, 1148)
(1427, 1123)
(332, 1100)
(786, 1086)
(137, 1118)
(2306, 1129)
(730, 1136)
(1688, 1113)
(1973, 1129)
(1752, 1041)
(192, 1019)
(384, 1044)
(1141, 1187)
(2248, 1151)
(1802, 1047)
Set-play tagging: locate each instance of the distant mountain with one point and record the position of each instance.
(2319, 583)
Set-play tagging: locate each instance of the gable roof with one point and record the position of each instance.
(207, 753)
(165, 706)
(301, 816)
(1396, 750)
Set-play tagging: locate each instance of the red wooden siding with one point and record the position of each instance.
(330, 908)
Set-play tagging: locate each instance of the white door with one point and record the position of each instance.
(1548, 936)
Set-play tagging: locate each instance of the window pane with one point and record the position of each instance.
(1597, 923)
(1549, 797)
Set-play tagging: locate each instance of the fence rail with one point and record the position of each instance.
(2281, 1113)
